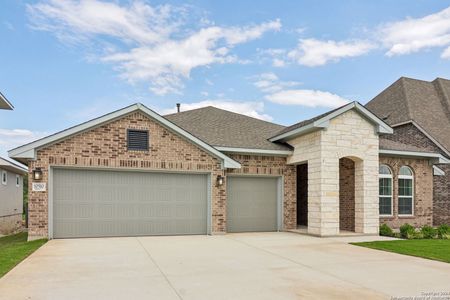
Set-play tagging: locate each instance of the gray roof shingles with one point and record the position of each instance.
(425, 102)
(219, 127)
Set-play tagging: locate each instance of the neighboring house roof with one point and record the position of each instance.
(424, 102)
(227, 130)
(28, 151)
(4, 103)
(322, 121)
(12, 167)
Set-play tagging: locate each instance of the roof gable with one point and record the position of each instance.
(426, 103)
(28, 151)
(322, 121)
(4, 103)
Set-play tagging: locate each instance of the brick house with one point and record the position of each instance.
(210, 171)
(419, 113)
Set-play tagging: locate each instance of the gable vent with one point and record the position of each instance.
(137, 139)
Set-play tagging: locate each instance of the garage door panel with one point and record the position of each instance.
(89, 203)
(252, 204)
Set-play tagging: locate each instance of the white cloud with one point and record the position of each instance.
(446, 53)
(12, 138)
(155, 45)
(308, 98)
(313, 52)
(275, 56)
(412, 35)
(251, 109)
(270, 83)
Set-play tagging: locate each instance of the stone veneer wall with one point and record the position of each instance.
(105, 147)
(348, 135)
(10, 224)
(423, 191)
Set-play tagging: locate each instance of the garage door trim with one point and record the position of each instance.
(50, 188)
(280, 194)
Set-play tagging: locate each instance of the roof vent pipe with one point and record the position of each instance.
(178, 107)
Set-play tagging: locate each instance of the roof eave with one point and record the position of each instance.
(8, 104)
(324, 122)
(435, 158)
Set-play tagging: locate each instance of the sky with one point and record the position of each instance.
(63, 62)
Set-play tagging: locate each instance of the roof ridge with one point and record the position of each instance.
(443, 95)
(226, 110)
(405, 95)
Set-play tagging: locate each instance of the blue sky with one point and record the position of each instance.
(64, 62)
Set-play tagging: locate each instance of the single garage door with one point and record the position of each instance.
(252, 204)
(92, 203)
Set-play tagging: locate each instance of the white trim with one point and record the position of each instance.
(5, 101)
(28, 151)
(411, 177)
(438, 171)
(424, 132)
(388, 176)
(4, 177)
(438, 158)
(324, 122)
(12, 167)
(254, 151)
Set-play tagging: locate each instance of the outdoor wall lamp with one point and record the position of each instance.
(37, 174)
(220, 179)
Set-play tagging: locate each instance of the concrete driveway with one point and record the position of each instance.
(233, 266)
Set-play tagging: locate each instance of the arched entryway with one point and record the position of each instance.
(347, 194)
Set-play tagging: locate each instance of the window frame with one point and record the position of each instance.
(388, 176)
(411, 177)
(17, 180)
(4, 176)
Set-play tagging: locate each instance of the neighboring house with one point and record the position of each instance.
(11, 196)
(210, 171)
(11, 188)
(419, 112)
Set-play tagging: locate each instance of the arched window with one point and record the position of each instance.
(385, 191)
(405, 192)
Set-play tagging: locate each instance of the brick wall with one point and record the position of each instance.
(441, 197)
(410, 135)
(346, 194)
(105, 147)
(423, 192)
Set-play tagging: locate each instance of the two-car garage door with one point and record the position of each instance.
(94, 203)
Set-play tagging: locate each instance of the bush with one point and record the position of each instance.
(443, 231)
(385, 230)
(407, 231)
(428, 232)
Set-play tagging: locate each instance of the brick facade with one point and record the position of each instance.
(105, 147)
(346, 194)
(410, 135)
(423, 192)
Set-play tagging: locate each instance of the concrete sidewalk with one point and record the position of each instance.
(232, 266)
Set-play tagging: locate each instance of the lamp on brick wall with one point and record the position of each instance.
(220, 179)
(37, 174)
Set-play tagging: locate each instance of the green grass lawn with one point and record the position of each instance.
(431, 249)
(14, 249)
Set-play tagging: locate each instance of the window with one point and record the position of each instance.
(4, 178)
(385, 190)
(137, 140)
(405, 192)
(17, 180)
